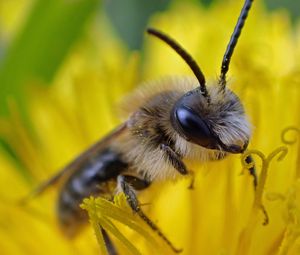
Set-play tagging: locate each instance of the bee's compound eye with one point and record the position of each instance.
(193, 127)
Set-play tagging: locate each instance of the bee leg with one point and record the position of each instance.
(111, 249)
(175, 159)
(192, 174)
(136, 183)
(133, 202)
(252, 171)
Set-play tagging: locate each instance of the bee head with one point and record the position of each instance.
(212, 117)
(220, 124)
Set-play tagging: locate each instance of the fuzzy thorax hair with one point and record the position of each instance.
(150, 125)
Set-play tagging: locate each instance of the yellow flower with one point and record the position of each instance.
(222, 215)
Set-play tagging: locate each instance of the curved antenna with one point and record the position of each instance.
(186, 57)
(233, 41)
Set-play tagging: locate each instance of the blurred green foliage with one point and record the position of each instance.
(130, 18)
(292, 6)
(54, 26)
(42, 44)
(37, 51)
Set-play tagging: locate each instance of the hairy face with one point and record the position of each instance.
(218, 124)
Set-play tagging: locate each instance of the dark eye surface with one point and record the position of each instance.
(193, 127)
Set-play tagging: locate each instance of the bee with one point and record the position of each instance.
(172, 120)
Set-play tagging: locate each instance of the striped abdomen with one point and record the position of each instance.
(91, 178)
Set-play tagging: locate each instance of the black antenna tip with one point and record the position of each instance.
(150, 30)
(233, 41)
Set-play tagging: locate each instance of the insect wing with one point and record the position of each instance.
(76, 163)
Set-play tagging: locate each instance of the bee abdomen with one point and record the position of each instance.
(91, 178)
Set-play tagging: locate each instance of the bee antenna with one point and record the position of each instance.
(233, 41)
(186, 57)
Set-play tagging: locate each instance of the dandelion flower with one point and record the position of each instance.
(223, 214)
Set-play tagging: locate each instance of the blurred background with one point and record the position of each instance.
(65, 63)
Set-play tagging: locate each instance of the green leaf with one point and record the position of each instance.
(40, 47)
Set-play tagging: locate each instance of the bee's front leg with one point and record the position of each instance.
(129, 191)
(252, 171)
(175, 159)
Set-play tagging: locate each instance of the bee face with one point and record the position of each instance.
(218, 124)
